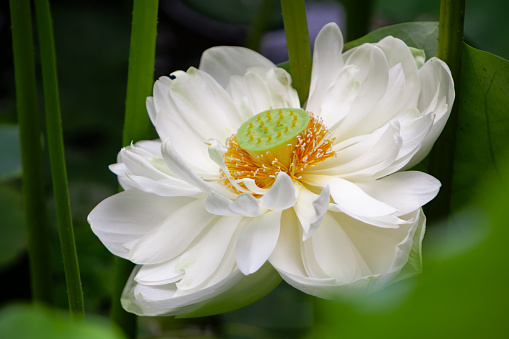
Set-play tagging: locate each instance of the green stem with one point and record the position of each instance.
(126, 321)
(358, 18)
(30, 139)
(57, 159)
(140, 77)
(140, 80)
(450, 45)
(297, 40)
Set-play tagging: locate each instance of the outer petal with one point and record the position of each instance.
(234, 291)
(191, 109)
(327, 63)
(310, 209)
(394, 258)
(406, 191)
(139, 168)
(257, 241)
(127, 216)
(173, 235)
(437, 97)
(351, 199)
(281, 195)
(224, 62)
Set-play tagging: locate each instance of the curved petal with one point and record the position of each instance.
(350, 198)
(178, 166)
(327, 64)
(191, 109)
(331, 242)
(373, 76)
(204, 256)
(437, 98)
(143, 168)
(234, 291)
(245, 205)
(127, 216)
(363, 158)
(257, 241)
(310, 209)
(225, 62)
(406, 191)
(159, 274)
(281, 195)
(173, 235)
(257, 91)
(395, 256)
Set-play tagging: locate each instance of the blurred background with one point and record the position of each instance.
(467, 265)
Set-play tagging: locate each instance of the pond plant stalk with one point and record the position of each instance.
(34, 200)
(297, 41)
(140, 80)
(57, 159)
(441, 159)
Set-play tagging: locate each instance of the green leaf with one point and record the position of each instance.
(23, 321)
(10, 164)
(421, 35)
(12, 227)
(483, 120)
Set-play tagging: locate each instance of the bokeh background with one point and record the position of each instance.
(463, 293)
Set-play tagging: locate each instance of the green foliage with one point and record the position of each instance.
(12, 227)
(10, 166)
(421, 35)
(23, 321)
(483, 120)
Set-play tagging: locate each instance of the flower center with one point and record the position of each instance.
(277, 140)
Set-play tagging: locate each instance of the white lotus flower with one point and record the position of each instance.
(245, 187)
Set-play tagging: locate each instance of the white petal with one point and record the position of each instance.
(257, 241)
(367, 156)
(336, 253)
(376, 245)
(287, 254)
(351, 199)
(169, 187)
(159, 274)
(414, 128)
(218, 205)
(437, 97)
(398, 53)
(173, 235)
(128, 216)
(281, 195)
(373, 76)
(151, 109)
(397, 255)
(311, 208)
(178, 166)
(191, 109)
(204, 256)
(327, 63)
(406, 191)
(232, 292)
(247, 205)
(224, 62)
